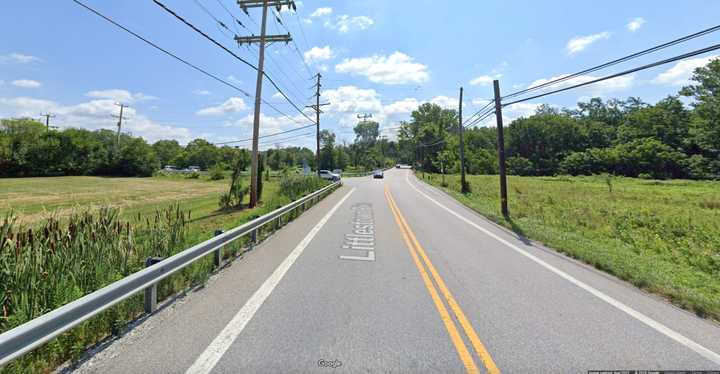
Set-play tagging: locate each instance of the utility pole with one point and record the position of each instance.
(316, 107)
(47, 121)
(501, 150)
(261, 40)
(119, 124)
(463, 184)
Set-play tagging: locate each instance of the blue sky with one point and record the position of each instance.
(376, 56)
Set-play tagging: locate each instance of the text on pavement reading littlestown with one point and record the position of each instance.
(361, 241)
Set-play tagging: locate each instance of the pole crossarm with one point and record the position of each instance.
(278, 4)
(268, 39)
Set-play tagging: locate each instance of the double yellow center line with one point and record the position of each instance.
(417, 252)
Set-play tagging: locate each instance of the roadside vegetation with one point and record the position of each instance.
(662, 236)
(64, 237)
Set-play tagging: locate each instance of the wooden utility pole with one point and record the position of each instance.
(47, 121)
(501, 149)
(119, 124)
(316, 107)
(461, 129)
(261, 40)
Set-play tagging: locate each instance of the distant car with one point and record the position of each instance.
(326, 174)
(193, 168)
(170, 168)
(378, 174)
(397, 166)
(337, 171)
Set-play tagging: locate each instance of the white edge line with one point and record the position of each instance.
(657, 326)
(214, 352)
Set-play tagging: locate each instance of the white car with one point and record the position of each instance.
(326, 174)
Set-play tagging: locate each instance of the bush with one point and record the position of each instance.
(517, 165)
(233, 198)
(296, 186)
(193, 175)
(217, 173)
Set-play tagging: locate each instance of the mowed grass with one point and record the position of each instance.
(36, 198)
(662, 236)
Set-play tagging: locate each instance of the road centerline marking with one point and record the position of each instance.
(655, 325)
(217, 348)
(470, 332)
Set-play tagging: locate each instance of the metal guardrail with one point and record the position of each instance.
(38, 331)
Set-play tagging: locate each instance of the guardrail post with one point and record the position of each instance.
(151, 291)
(217, 255)
(253, 239)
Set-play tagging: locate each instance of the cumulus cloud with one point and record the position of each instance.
(397, 68)
(484, 80)
(26, 83)
(93, 115)
(231, 105)
(580, 43)
(319, 12)
(445, 102)
(18, 58)
(119, 95)
(635, 24)
(346, 23)
(600, 88)
(680, 73)
(316, 54)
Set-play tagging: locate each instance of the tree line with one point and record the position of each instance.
(624, 137)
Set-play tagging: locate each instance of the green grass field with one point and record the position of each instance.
(662, 236)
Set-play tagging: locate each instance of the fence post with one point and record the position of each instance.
(217, 254)
(253, 239)
(151, 291)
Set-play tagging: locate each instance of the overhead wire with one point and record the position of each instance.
(266, 136)
(154, 45)
(206, 36)
(626, 72)
(617, 61)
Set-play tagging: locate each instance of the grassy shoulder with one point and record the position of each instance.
(662, 236)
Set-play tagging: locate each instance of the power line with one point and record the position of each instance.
(267, 136)
(619, 60)
(276, 141)
(302, 58)
(490, 102)
(206, 36)
(629, 71)
(108, 19)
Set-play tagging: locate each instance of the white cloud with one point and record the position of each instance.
(681, 72)
(445, 102)
(600, 88)
(26, 83)
(318, 54)
(277, 96)
(93, 115)
(579, 43)
(231, 105)
(18, 58)
(635, 24)
(484, 80)
(319, 12)
(123, 96)
(404, 106)
(345, 23)
(202, 92)
(398, 68)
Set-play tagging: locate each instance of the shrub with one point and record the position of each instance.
(193, 175)
(296, 186)
(517, 165)
(217, 173)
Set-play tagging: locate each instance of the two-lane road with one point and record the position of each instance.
(394, 276)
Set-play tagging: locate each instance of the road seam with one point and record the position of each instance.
(214, 352)
(414, 248)
(657, 326)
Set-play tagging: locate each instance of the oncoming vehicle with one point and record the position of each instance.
(326, 174)
(378, 174)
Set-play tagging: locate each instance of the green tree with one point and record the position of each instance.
(166, 151)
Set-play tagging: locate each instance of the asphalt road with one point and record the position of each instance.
(394, 276)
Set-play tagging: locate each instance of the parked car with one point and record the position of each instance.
(194, 168)
(326, 174)
(378, 174)
(170, 168)
(338, 172)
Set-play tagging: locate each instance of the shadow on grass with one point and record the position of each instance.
(519, 233)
